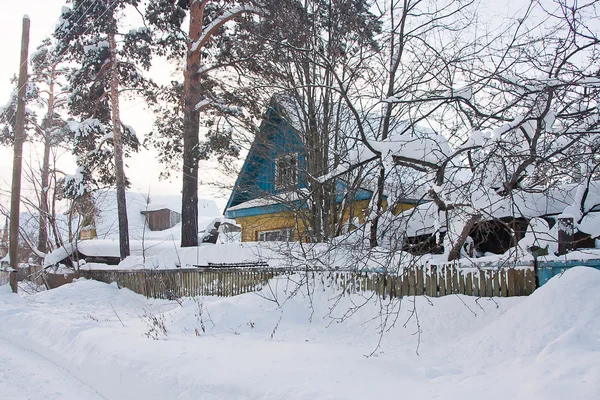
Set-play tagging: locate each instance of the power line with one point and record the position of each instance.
(94, 2)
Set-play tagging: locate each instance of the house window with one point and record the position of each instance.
(281, 235)
(286, 173)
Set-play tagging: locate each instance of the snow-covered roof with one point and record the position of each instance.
(108, 248)
(160, 202)
(414, 141)
(107, 223)
(206, 207)
(270, 200)
(423, 219)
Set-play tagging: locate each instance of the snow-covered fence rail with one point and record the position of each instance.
(431, 281)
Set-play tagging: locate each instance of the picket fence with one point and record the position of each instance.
(431, 281)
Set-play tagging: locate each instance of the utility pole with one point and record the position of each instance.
(15, 195)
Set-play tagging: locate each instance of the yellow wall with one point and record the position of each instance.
(266, 222)
(252, 225)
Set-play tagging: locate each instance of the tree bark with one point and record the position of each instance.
(373, 242)
(455, 251)
(118, 145)
(191, 129)
(43, 207)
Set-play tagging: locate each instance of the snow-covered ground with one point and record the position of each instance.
(90, 340)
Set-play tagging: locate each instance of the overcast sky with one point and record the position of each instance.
(143, 169)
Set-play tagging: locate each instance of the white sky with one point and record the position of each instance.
(143, 168)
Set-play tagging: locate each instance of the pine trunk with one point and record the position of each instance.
(191, 129)
(118, 145)
(43, 207)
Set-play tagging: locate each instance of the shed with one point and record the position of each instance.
(164, 218)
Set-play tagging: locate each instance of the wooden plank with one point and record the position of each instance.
(434, 281)
(519, 282)
(489, 282)
(455, 287)
(529, 281)
(476, 291)
(428, 289)
(461, 282)
(511, 282)
(405, 282)
(448, 280)
(482, 283)
(419, 281)
(503, 283)
(442, 281)
(497, 283)
(411, 282)
(469, 284)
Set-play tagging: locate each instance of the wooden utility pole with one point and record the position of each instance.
(15, 195)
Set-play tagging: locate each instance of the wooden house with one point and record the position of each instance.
(271, 196)
(506, 222)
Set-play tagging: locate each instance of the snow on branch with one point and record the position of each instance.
(220, 21)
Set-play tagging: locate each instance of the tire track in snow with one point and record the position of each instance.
(26, 374)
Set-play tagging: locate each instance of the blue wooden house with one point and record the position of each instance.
(270, 198)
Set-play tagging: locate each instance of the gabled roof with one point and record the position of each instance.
(272, 125)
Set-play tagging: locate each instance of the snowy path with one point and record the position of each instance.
(26, 375)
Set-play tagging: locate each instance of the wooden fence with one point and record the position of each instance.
(435, 281)
(28, 272)
(431, 281)
(175, 283)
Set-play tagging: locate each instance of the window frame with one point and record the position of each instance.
(292, 167)
(289, 235)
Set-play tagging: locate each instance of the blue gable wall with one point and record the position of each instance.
(257, 178)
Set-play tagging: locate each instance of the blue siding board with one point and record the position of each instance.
(548, 269)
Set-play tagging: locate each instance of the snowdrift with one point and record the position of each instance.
(290, 343)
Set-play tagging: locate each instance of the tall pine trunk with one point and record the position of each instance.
(43, 206)
(118, 145)
(47, 126)
(191, 129)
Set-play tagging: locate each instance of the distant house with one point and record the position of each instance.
(270, 197)
(506, 222)
(154, 226)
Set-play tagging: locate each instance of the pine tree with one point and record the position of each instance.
(44, 92)
(214, 40)
(109, 61)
